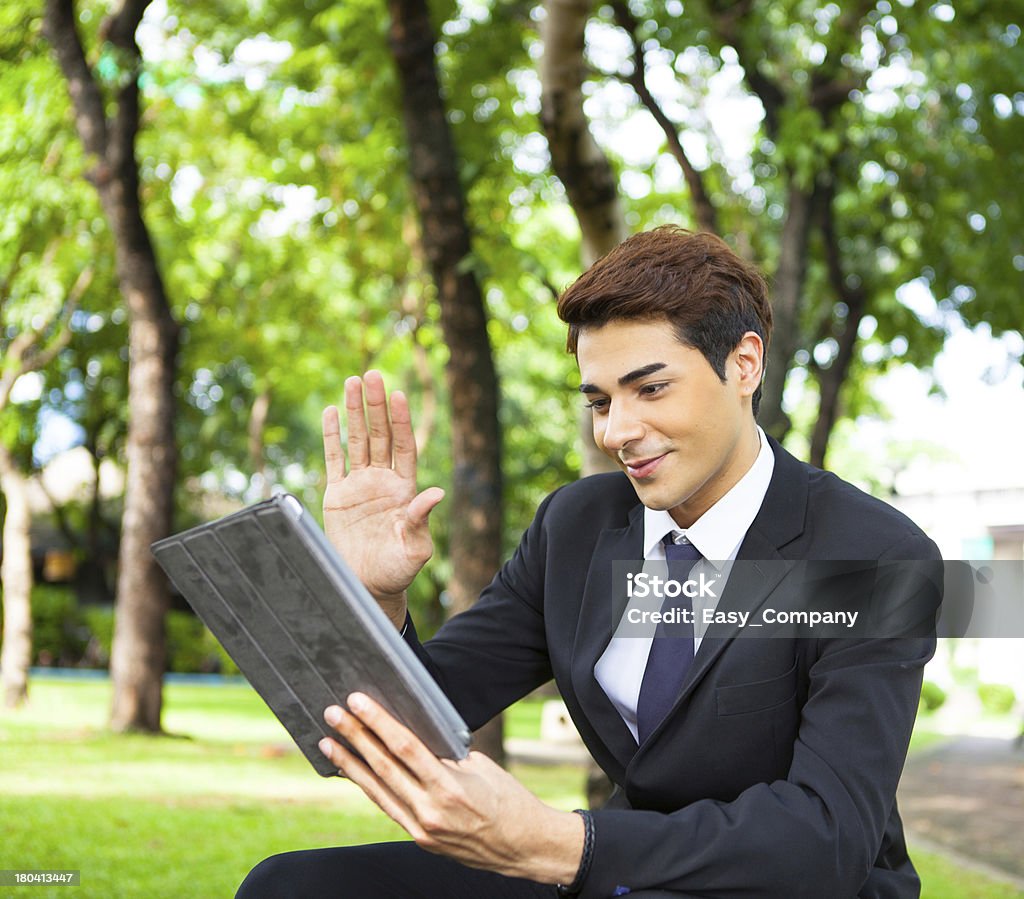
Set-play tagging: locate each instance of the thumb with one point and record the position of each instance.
(422, 505)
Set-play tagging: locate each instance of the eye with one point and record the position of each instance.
(652, 389)
(598, 405)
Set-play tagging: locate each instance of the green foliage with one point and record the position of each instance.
(51, 232)
(70, 636)
(100, 622)
(998, 699)
(59, 632)
(184, 636)
(917, 150)
(192, 648)
(932, 696)
(274, 178)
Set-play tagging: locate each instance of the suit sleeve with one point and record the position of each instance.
(818, 832)
(496, 652)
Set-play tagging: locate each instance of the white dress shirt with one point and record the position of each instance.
(717, 534)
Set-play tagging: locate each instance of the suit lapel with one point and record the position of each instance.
(779, 521)
(750, 584)
(599, 614)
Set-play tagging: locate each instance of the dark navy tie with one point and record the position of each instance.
(671, 648)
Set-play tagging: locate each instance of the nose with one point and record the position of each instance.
(621, 427)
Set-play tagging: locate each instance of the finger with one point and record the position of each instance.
(377, 413)
(422, 505)
(334, 457)
(376, 756)
(391, 741)
(356, 770)
(358, 446)
(402, 436)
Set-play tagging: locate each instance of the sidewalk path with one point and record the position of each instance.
(967, 795)
(545, 752)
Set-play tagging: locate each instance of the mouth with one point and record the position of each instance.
(643, 468)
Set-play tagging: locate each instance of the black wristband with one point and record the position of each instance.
(588, 856)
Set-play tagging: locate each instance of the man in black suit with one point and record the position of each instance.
(743, 767)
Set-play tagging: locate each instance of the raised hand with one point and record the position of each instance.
(372, 514)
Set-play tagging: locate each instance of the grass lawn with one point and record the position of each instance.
(182, 816)
(522, 721)
(187, 816)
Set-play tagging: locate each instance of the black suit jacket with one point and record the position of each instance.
(776, 772)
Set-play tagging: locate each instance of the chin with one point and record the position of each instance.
(652, 500)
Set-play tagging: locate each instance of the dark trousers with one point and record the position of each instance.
(389, 871)
(380, 871)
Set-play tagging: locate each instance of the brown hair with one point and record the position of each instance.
(710, 295)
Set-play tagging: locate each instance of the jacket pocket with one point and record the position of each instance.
(741, 699)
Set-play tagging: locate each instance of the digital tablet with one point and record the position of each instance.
(301, 626)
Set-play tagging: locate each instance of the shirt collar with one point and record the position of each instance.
(719, 532)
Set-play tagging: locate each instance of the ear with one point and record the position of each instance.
(747, 361)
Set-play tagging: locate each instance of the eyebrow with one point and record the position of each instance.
(628, 378)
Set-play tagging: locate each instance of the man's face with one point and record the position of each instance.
(661, 412)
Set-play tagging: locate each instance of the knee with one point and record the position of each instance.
(272, 878)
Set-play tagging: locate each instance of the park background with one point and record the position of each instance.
(213, 213)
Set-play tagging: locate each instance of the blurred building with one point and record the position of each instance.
(972, 519)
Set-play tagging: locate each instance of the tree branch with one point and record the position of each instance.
(831, 379)
(726, 17)
(119, 27)
(832, 81)
(21, 355)
(828, 94)
(8, 277)
(90, 118)
(704, 210)
(41, 359)
(14, 357)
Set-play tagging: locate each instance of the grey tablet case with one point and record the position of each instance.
(301, 627)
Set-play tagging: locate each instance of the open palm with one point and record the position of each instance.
(373, 515)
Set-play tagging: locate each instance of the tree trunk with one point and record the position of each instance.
(577, 160)
(25, 350)
(786, 306)
(138, 654)
(593, 192)
(790, 275)
(258, 416)
(476, 497)
(16, 577)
